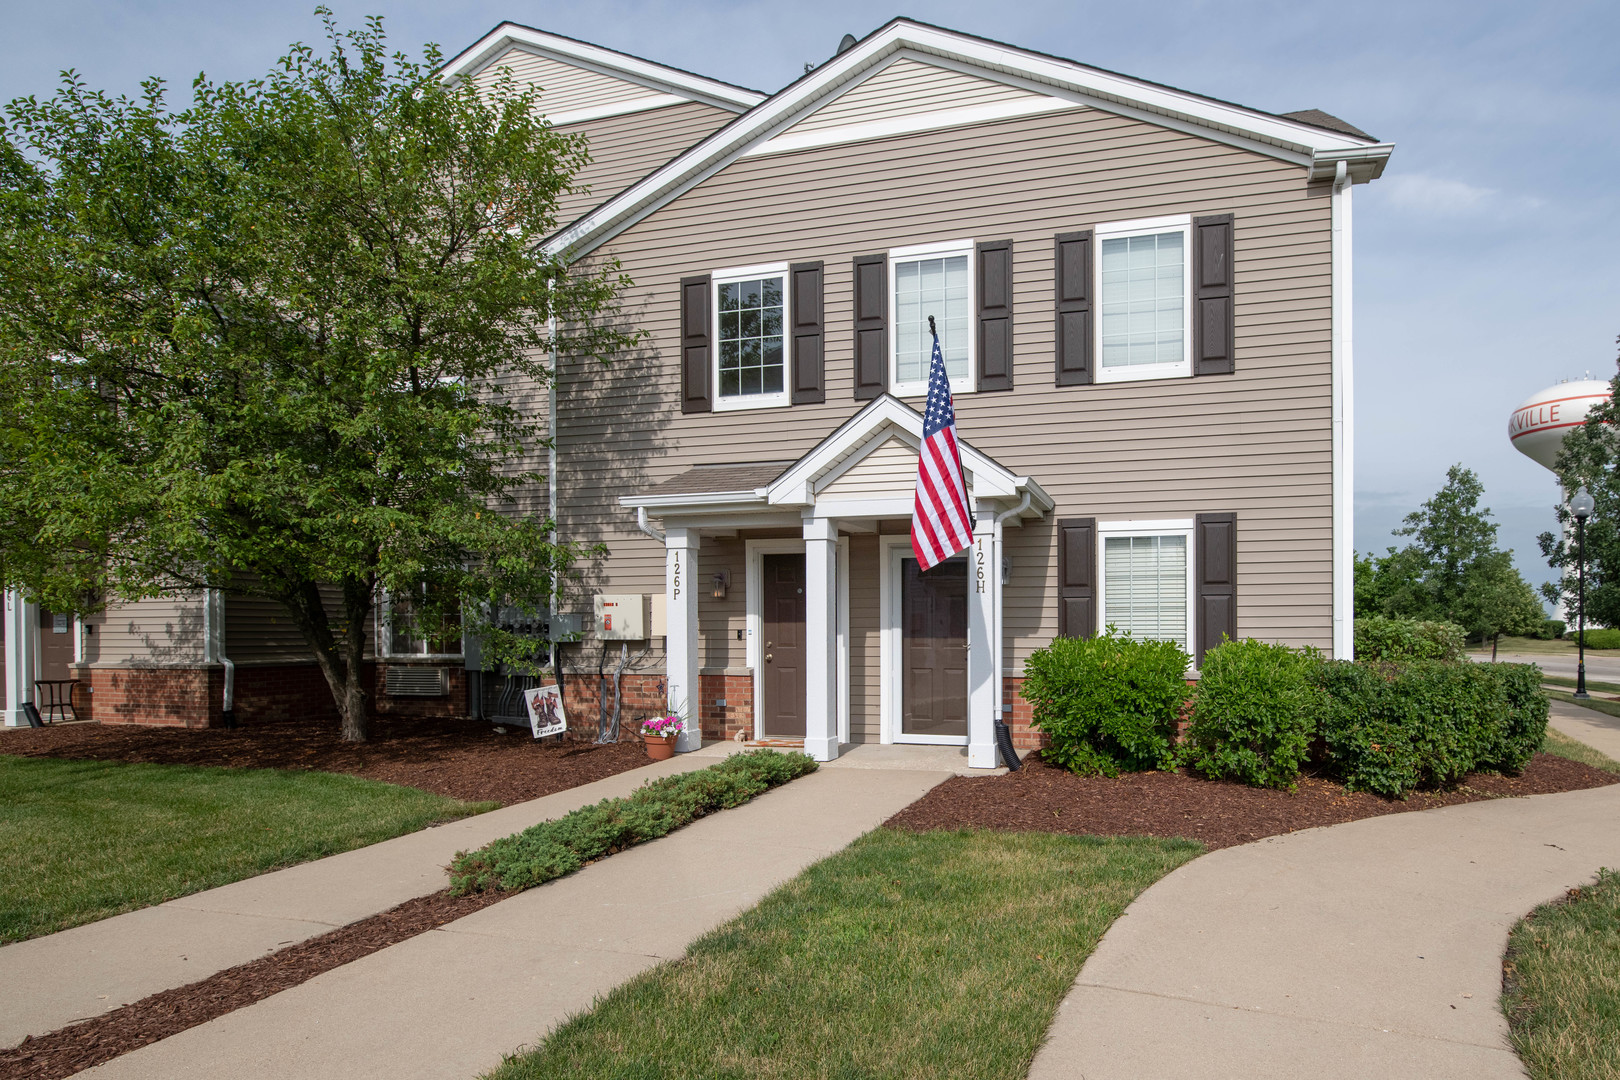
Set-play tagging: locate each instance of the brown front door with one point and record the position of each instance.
(55, 645)
(782, 651)
(934, 645)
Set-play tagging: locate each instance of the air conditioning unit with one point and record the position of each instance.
(408, 680)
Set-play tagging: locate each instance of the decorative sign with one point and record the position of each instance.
(545, 711)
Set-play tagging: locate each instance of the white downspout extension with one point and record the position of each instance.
(214, 646)
(997, 642)
(1343, 360)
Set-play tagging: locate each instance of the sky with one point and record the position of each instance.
(1487, 259)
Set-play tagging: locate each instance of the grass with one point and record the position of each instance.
(1564, 746)
(907, 955)
(1562, 996)
(82, 840)
(1538, 647)
(1602, 705)
(1591, 684)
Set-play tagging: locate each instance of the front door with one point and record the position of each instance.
(55, 645)
(934, 610)
(782, 651)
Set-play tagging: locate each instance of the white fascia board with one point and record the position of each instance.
(695, 501)
(1287, 140)
(795, 485)
(909, 125)
(1365, 163)
(602, 61)
(617, 108)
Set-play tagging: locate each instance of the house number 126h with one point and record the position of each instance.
(978, 570)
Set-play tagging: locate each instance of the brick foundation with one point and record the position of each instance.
(737, 714)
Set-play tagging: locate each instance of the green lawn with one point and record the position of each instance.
(1602, 705)
(82, 840)
(905, 955)
(1563, 965)
(1564, 746)
(1538, 647)
(1591, 684)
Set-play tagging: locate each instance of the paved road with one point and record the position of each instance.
(1605, 668)
(451, 1002)
(1371, 949)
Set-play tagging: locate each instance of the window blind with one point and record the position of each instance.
(1145, 586)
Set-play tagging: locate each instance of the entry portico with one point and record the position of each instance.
(850, 484)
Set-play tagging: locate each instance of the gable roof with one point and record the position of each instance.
(659, 84)
(1318, 118)
(1312, 145)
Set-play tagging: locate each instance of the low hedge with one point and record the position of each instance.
(1391, 728)
(1254, 713)
(1108, 703)
(553, 849)
(1381, 639)
(1598, 639)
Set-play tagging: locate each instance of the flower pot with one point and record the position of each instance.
(659, 747)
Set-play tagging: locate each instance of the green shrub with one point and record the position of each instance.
(1600, 639)
(1391, 728)
(1254, 713)
(1379, 639)
(1108, 703)
(1550, 630)
(553, 849)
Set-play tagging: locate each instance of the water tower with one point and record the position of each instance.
(1538, 426)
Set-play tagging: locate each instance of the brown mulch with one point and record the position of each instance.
(1045, 798)
(91, 1042)
(454, 756)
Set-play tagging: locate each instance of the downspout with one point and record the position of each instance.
(214, 652)
(645, 526)
(1003, 733)
(1343, 431)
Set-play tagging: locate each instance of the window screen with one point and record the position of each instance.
(924, 287)
(1143, 305)
(1145, 586)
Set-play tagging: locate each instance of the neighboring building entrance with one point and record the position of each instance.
(934, 650)
(782, 650)
(55, 645)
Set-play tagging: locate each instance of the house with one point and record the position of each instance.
(1144, 303)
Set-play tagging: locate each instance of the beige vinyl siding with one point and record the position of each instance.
(162, 632)
(564, 88)
(908, 88)
(865, 649)
(1257, 442)
(626, 148)
(260, 631)
(888, 470)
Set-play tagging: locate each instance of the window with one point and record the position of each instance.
(750, 313)
(398, 626)
(937, 280)
(1147, 578)
(1143, 284)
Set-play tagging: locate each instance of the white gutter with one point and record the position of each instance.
(645, 526)
(1343, 360)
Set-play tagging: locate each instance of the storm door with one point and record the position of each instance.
(934, 651)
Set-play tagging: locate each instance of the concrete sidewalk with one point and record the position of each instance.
(452, 1001)
(1367, 949)
(49, 982)
(1597, 730)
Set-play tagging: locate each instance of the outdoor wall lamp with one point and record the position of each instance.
(1581, 507)
(721, 579)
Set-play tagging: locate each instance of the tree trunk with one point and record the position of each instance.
(340, 655)
(1494, 639)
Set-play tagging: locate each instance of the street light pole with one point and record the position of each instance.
(1581, 506)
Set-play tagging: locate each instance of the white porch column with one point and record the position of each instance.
(984, 685)
(820, 638)
(22, 656)
(681, 644)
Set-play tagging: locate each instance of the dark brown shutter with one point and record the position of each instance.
(1216, 541)
(871, 326)
(1077, 577)
(1212, 295)
(809, 385)
(1073, 279)
(995, 316)
(696, 394)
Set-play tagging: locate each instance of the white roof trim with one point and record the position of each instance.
(618, 65)
(617, 108)
(907, 125)
(1288, 140)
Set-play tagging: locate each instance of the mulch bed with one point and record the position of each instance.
(454, 756)
(1044, 798)
(91, 1042)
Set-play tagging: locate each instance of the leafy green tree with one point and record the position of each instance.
(1590, 456)
(280, 342)
(1497, 600)
(1450, 533)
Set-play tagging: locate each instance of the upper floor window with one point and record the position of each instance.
(937, 280)
(751, 309)
(1143, 285)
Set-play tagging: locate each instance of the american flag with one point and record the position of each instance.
(940, 523)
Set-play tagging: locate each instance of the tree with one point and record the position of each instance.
(1449, 535)
(278, 343)
(1497, 601)
(1590, 457)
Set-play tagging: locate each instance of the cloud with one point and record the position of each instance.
(1423, 193)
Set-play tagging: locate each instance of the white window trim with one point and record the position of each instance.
(1116, 230)
(741, 402)
(383, 647)
(922, 251)
(1150, 527)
